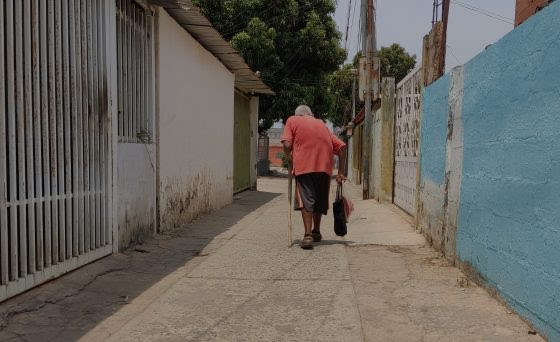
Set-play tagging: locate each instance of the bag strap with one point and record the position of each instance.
(339, 191)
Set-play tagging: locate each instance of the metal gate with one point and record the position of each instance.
(134, 71)
(263, 164)
(241, 143)
(406, 141)
(55, 159)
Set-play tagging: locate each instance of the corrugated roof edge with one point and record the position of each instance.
(193, 21)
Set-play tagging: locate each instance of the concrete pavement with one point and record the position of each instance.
(230, 277)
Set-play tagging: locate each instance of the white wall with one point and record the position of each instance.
(137, 199)
(196, 103)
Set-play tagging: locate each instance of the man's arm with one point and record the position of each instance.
(288, 149)
(341, 176)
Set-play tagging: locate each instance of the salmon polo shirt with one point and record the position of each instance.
(313, 145)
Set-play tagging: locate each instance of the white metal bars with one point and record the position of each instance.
(134, 66)
(406, 140)
(55, 129)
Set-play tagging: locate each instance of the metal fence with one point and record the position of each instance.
(407, 136)
(54, 139)
(263, 163)
(134, 68)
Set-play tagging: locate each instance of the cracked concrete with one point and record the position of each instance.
(230, 277)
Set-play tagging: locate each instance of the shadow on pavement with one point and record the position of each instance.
(67, 308)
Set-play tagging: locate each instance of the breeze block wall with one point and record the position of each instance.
(508, 148)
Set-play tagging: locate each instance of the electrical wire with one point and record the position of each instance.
(353, 20)
(359, 46)
(237, 28)
(347, 26)
(481, 11)
(452, 54)
(301, 81)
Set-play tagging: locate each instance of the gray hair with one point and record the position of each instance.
(303, 110)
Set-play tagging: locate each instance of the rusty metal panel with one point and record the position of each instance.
(20, 123)
(104, 121)
(4, 259)
(134, 72)
(66, 241)
(52, 236)
(44, 114)
(55, 176)
(11, 132)
(95, 128)
(76, 208)
(406, 141)
(36, 77)
(59, 236)
(28, 108)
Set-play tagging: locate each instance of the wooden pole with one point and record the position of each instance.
(368, 119)
(290, 204)
(445, 20)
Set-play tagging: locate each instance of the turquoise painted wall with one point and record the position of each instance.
(509, 211)
(434, 130)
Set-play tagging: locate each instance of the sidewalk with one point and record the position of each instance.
(229, 276)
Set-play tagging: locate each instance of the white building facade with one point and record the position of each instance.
(118, 119)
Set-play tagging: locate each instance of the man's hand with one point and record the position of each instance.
(340, 178)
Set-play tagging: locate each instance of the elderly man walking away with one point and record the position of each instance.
(310, 146)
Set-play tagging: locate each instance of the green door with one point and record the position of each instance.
(242, 144)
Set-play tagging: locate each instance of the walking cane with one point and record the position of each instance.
(291, 203)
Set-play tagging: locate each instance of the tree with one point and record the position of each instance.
(396, 62)
(295, 44)
(340, 92)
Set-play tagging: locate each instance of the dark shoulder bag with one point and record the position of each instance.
(339, 213)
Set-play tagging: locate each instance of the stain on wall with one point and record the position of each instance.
(196, 124)
(434, 134)
(185, 199)
(137, 199)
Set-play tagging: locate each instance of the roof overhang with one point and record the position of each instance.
(193, 21)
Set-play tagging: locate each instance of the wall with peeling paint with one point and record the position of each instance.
(195, 107)
(431, 194)
(137, 198)
(502, 168)
(383, 138)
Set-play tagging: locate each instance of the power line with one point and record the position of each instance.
(359, 46)
(452, 54)
(354, 20)
(347, 26)
(481, 11)
(237, 28)
(275, 80)
(241, 23)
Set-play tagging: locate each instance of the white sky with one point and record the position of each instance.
(407, 21)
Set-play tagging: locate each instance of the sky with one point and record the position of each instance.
(407, 21)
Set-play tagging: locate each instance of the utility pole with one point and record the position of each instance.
(350, 149)
(445, 20)
(370, 43)
(364, 28)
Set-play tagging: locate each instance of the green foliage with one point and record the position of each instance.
(396, 62)
(340, 92)
(285, 161)
(295, 44)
